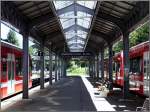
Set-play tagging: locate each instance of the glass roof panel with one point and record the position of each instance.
(62, 4)
(68, 23)
(75, 17)
(90, 4)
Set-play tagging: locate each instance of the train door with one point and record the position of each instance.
(11, 73)
(146, 74)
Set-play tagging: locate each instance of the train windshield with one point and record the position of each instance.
(135, 65)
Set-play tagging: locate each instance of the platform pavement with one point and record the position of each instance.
(115, 101)
(68, 94)
(74, 94)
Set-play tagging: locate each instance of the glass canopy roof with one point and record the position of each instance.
(75, 17)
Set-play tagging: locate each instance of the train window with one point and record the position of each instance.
(135, 65)
(9, 70)
(114, 66)
(18, 67)
(4, 69)
(118, 67)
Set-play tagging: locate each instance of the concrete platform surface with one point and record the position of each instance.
(68, 94)
(72, 94)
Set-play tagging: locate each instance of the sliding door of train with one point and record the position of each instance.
(146, 74)
(11, 73)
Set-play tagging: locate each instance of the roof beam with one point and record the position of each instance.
(74, 27)
(139, 15)
(107, 17)
(73, 44)
(75, 37)
(42, 19)
(71, 8)
(114, 4)
(53, 35)
(102, 35)
(12, 15)
(128, 3)
(113, 9)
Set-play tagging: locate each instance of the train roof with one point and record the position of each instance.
(9, 45)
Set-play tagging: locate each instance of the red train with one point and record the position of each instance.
(138, 73)
(11, 70)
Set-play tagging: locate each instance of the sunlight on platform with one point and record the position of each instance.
(101, 104)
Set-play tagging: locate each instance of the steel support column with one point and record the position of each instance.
(42, 67)
(126, 64)
(97, 68)
(56, 68)
(62, 67)
(110, 67)
(50, 66)
(89, 66)
(93, 64)
(65, 67)
(59, 68)
(25, 66)
(102, 63)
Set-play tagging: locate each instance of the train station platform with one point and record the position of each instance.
(70, 94)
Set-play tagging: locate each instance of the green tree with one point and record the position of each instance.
(136, 37)
(139, 35)
(12, 38)
(118, 47)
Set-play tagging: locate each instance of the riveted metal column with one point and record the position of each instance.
(59, 68)
(42, 67)
(126, 64)
(95, 66)
(50, 65)
(25, 66)
(65, 67)
(89, 68)
(102, 63)
(62, 67)
(97, 61)
(93, 63)
(56, 68)
(110, 67)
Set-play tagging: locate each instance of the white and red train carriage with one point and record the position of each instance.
(138, 72)
(11, 78)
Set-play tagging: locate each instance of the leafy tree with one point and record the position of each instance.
(12, 38)
(118, 47)
(139, 35)
(136, 37)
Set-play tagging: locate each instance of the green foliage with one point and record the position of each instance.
(136, 37)
(106, 52)
(33, 50)
(139, 35)
(75, 67)
(12, 38)
(118, 47)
